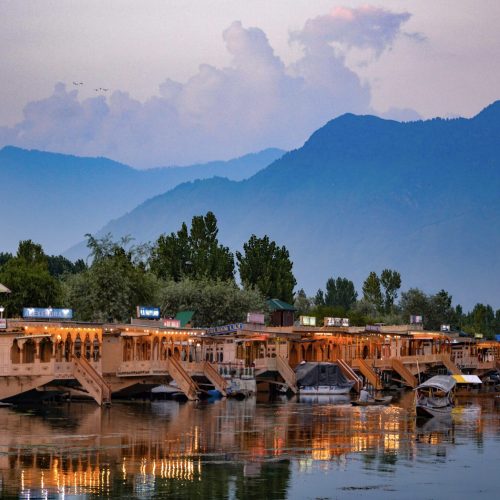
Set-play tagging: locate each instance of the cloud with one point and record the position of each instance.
(365, 27)
(253, 103)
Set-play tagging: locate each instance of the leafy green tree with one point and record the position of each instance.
(194, 254)
(209, 259)
(28, 277)
(319, 298)
(481, 320)
(214, 302)
(391, 281)
(372, 292)
(268, 267)
(440, 311)
(340, 292)
(171, 255)
(436, 309)
(414, 302)
(302, 303)
(4, 257)
(59, 265)
(114, 284)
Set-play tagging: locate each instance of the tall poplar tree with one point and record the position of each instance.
(268, 267)
(372, 292)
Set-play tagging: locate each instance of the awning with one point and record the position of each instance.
(467, 379)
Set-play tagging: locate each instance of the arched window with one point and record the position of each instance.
(29, 351)
(78, 346)
(15, 353)
(88, 347)
(45, 350)
(96, 350)
(60, 351)
(68, 346)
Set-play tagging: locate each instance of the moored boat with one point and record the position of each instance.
(314, 379)
(434, 398)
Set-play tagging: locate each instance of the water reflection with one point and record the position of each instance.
(227, 449)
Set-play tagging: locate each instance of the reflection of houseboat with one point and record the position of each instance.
(434, 397)
(321, 378)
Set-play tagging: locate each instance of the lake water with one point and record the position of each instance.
(312, 449)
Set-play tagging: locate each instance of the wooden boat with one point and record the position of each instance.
(373, 402)
(434, 398)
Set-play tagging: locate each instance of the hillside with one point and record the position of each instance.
(362, 194)
(54, 199)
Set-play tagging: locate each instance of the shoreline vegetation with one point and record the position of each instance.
(191, 270)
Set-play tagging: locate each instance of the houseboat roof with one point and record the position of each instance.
(279, 305)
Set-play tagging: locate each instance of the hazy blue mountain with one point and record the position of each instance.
(363, 194)
(54, 199)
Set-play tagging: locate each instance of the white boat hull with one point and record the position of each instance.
(324, 390)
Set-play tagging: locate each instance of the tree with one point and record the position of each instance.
(196, 254)
(4, 257)
(214, 302)
(391, 281)
(319, 298)
(372, 292)
(481, 320)
(435, 309)
(340, 292)
(302, 303)
(59, 265)
(114, 284)
(28, 277)
(268, 267)
(171, 255)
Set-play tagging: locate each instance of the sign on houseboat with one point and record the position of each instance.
(222, 330)
(47, 313)
(336, 322)
(148, 312)
(256, 318)
(308, 320)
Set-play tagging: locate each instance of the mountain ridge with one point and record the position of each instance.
(55, 199)
(361, 194)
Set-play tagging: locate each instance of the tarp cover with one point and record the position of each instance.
(314, 374)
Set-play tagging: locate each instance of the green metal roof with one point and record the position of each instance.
(184, 317)
(279, 305)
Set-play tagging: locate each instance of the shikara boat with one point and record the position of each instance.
(434, 397)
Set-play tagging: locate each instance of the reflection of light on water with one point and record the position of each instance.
(359, 442)
(391, 441)
(326, 448)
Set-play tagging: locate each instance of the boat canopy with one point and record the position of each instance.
(442, 382)
(314, 374)
(467, 379)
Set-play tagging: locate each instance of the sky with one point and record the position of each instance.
(175, 82)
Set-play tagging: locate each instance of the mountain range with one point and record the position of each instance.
(55, 199)
(361, 195)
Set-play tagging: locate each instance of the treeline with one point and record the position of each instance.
(190, 270)
(378, 304)
(186, 270)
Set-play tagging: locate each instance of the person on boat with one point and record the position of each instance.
(365, 396)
